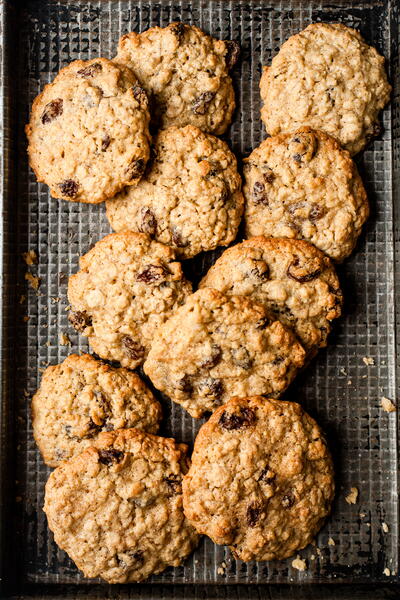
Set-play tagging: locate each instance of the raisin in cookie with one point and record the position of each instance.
(303, 185)
(216, 346)
(189, 197)
(326, 77)
(88, 132)
(185, 73)
(294, 281)
(116, 508)
(261, 479)
(126, 287)
(81, 397)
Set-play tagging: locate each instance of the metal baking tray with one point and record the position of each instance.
(338, 388)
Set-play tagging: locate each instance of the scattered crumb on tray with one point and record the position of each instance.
(331, 542)
(299, 564)
(26, 318)
(22, 299)
(385, 527)
(368, 360)
(386, 572)
(363, 514)
(352, 496)
(343, 371)
(33, 281)
(387, 404)
(30, 257)
(64, 340)
(54, 300)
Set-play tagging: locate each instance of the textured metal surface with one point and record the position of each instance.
(337, 388)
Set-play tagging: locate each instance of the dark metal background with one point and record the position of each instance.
(41, 36)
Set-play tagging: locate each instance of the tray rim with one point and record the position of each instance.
(8, 12)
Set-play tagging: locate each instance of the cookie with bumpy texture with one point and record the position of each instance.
(116, 508)
(127, 286)
(81, 397)
(190, 196)
(185, 74)
(88, 131)
(303, 185)
(217, 346)
(328, 78)
(296, 283)
(261, 479)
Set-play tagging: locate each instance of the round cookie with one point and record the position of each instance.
(303, 185)
(88, 132)
(116, 508)
(295, 282)
(216, 346)
(185, 74)
(126, 287)
(328, 78)
(189, 197)
(81, 397)
(261, 479)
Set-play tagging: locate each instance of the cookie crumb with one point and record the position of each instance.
(343, 371)
(385, 527)
(352, 496)
(349, 382)
(54, 300)
(299, 564)
(220, 571)
(368, 360)
(30, 257)
(26, 318)
(64, 340)
(387, 404)
(22, 299)
(363, 514)
(386, 572)
(312, 557)
(33, 281)
(331, 542)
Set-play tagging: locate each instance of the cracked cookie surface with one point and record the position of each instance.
(127, 286)
(189, 197)
(116, 508)
(295, 282)
(328, 78)
(216, 346)
(81, 397)
(261, 479)
(88, 132)
(185, 73)
(303, 185)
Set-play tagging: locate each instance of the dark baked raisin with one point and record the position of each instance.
(174, 483)
(80, 320)
(269, 177)
(178, 29)
(260, 270)
(232, 53)
(139, 94)
(211, 388)
(90, 70)
(287, 501)
(108, 426)
(152, 273)
(262, 323)
(267, 476)
(105, 142)
(149, 222)
(213, 359)
(375, 131)
(132, 349)
(259, 196)
(316, 212)
(298, 272)
(177, 239)
(200, 105)
(92, 429)
(304, 147)
(108, 457)
(136, 168)
(69, 188)
(52, 110)
(297, 157)
(231, 421)
(253, 513)
(101, 400)
(127, 560)
(241, 358)
(185, 385)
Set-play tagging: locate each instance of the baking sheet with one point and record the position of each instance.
(338, 388)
